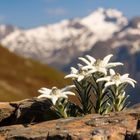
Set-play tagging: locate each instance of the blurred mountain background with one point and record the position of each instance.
(28, 55)
(20, 78)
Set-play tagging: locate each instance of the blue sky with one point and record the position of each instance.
(33, 13)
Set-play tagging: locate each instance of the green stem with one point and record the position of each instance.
(99, 100)
(117, 101)
(85, 99)
(61, 111)
(82, 89)
(98, 96)
(64, 114)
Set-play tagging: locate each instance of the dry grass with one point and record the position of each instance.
(21, 78)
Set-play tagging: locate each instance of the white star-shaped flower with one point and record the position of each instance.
(80, 74)
(98, 65)
(117, 79)
(54, 94)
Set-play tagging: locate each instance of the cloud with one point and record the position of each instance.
(56, 12)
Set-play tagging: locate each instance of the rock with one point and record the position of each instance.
(114, 126)
(6, 111)
(137, 135)
(26, 111)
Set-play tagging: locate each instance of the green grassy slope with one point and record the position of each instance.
(21, 78)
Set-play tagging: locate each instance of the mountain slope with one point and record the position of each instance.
(6, 30)
(58, 43)
(21, 78)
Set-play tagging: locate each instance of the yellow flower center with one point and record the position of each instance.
(54, 91)
(82, 72)
(116, 77)
(99, 63)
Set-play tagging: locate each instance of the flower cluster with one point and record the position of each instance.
(99, 88)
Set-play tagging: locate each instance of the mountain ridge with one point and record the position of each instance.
(65, 39)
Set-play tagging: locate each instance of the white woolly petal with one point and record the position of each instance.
(102, 70)
(123, 77)
(107, 58)
(112, 72)
(109, 84)
(45, 89)
(117, 82)
(68, 93)
(74, 70)
(44, 96)
(80, 65)
(88, 67)
(81, 77)
(44, 92)
(130, 79)
(67, 88)
(109, 65)
(54, 99)
(84, 60)
(64, 96)
(71, 76)
(103, 79)
(41, 91)
(130, 82)
(91, 59)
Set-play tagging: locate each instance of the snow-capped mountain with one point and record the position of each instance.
(59, 43)
(5, 30)
(105, 22)
(102, 32)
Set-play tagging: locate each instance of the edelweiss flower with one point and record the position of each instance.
(79, 75)
(98, 65)
(117, 79)
(54, 94)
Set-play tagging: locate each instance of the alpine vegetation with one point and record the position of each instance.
(98, 87)
(58, 98)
